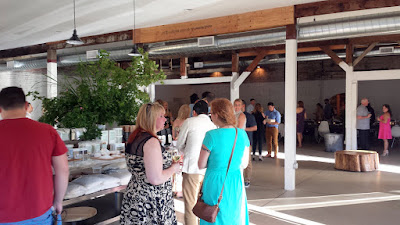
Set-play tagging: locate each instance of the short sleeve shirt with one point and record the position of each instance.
(273, 115)
(26, 149)
(362, 124)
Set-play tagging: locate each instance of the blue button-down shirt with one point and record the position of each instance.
(273, 115)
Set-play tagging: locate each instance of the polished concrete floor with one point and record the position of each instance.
(323, 195)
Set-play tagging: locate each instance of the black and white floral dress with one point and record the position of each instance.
(143, 202)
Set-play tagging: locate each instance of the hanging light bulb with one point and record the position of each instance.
(134, 51)
(75, 40)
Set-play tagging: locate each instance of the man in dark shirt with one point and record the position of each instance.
(327, 110)
(251, 126)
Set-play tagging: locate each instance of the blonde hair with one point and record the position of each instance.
(238, 100)
(147, 119)
(184, 112)
(224, 109)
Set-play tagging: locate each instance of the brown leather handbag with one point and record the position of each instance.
(209, 212)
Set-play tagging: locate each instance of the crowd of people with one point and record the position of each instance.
(215, 139)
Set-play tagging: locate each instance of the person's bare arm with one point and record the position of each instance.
(204, 154)
(241, 120)
(253, 128)
(153, 163)
(61, 174)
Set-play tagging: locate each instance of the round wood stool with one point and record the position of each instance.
(76, 214)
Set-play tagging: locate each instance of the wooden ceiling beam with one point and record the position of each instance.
(328, 7)
(349, 54)
(257, 20)
(255, 62)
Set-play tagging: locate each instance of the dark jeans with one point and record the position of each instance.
(363, 139)
(257, 141)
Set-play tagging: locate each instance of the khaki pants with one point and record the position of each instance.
(271, 134)
(247, 172)
(191, 184)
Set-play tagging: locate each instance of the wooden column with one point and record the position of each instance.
(51, 73)
(183, 67)
(235, 62)
(290, 107)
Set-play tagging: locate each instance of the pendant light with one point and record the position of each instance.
(134, 51)
(75, 40)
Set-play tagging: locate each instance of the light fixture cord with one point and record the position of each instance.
(74, 16)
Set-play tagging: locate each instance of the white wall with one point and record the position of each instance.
(310, 92)
(28, 80)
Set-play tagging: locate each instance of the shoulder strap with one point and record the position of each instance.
(229, 164)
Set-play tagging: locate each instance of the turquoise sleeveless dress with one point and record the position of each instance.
(233, 206)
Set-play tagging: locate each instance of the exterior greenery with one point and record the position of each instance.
(102, 93)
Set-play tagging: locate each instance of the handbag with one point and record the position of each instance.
(209, 212)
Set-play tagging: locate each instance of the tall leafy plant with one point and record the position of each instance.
(102, 92)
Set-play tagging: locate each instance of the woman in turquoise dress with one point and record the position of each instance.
(215, 154)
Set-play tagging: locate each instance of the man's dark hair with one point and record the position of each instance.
(204, 95)
(12, 98)
(244, 102)
(210, 96)
(270, 103)
(252, 99)
(193, 98)
(326, 101)
(201, 107)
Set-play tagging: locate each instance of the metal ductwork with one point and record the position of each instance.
(378, 24)
(334, 29)
(68, 60)
(222, 42)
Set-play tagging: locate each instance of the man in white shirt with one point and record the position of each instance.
(190, 139)
(250, 107)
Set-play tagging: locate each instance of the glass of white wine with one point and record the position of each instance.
(176, 156)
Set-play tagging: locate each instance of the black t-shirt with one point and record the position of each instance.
(250, 122)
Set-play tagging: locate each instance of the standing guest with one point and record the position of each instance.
(301, 115)
(215, 153)
(168, 122)
(183, 114)
(251, 126)
(328, 111)
(385, 131)
(272, 121)
(373, 117)
(363, 117)
(250, 107)
(259, 135)
(240, 117)
(193, 99)
(189, 142)
(30, 151)
(29, 111)
(148, 197)
(319, 113)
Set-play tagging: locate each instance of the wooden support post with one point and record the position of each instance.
(183, 66)
(51, 73)
(349, 54)
(235, 62)
(364, 53)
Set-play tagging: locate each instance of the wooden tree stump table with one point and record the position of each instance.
(356, 160)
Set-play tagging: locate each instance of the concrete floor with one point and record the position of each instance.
(323, 195)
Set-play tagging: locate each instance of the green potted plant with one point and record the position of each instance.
(101, 93)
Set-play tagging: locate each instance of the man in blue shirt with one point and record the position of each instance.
(272, 120)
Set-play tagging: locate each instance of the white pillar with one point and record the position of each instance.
(51, 79)
(351, 109)
(290, 113)
(234, 91)
(151, 90)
